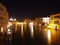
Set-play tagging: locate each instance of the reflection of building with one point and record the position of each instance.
(42, 22)
(29, 20)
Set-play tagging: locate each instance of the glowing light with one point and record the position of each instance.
(9, 24)
(21, 29)
(18, 23)
(2, 29)
(52, 26)
(46, 19)
(14, 19)
(25, 24)
(11, 19)
(31, 28)
(49, 36)
(21, 23)
(8, 31)
(39, 24)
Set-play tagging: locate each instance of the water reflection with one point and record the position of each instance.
(49, 36)
(53, 36)
(31, 28)
(22, 29)
(39, 36)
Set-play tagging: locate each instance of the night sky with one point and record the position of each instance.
(31, 9)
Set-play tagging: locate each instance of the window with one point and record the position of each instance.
(56, 22)
(57, 17)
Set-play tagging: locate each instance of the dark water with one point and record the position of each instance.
(39, 37)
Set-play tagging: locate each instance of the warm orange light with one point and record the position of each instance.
(2, 29)
(11, 19)
(14, 19)
(18, 23)
(31, 28)
(9, 24)
(21, 29)
(8, 31)
(49, 36)
(25, 24)
(46, 19)
(52, 26)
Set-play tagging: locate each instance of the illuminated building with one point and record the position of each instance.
(13, 24)
(42, 22)
(3, 19)
(54, 21)
(46, 20)
(38, 21)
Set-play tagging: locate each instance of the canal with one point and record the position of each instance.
(33, 36)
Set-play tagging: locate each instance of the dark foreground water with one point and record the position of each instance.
(36, 37)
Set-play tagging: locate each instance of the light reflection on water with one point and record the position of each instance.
(31, 29)
(22, 29)
(49, 36)
(52, 37)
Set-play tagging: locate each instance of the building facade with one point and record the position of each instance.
(3, 19)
